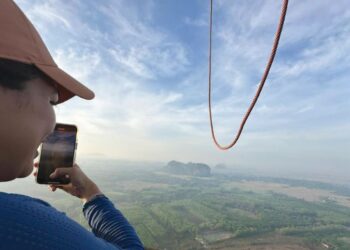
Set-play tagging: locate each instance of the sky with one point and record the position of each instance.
(147, 62)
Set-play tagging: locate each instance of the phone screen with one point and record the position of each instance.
(58, 150)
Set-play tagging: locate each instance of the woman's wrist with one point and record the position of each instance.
(92, 198)
(90, 193)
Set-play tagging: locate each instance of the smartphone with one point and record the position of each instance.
(57, 151)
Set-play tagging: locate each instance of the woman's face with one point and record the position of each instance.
(27, 117)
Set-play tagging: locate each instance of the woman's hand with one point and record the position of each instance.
(80, 185)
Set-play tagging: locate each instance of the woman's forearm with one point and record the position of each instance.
(108, 223)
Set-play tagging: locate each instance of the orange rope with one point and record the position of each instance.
(262, 82)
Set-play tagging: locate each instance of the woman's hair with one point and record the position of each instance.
(14, 75)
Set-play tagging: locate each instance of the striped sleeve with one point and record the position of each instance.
(108, 223)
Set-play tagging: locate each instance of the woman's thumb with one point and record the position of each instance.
(61, 172)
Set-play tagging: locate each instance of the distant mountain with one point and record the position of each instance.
(220, 166)
(192, 169)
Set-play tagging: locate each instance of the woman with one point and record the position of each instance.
(30, 83)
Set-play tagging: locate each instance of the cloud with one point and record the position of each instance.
(80, 64)
(150, 78)
(48, 13)
(305, 109)
(152, 61)
(196, 22)
(133, 52)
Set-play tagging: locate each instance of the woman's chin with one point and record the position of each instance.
(24, 175)
(27, 170)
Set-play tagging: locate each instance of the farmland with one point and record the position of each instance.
(224, 211)
(231, 212)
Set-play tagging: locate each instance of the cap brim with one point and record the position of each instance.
(67, 85)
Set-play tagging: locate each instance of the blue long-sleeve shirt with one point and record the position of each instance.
(30, 223)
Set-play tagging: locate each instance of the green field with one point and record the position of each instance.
(228, 212)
